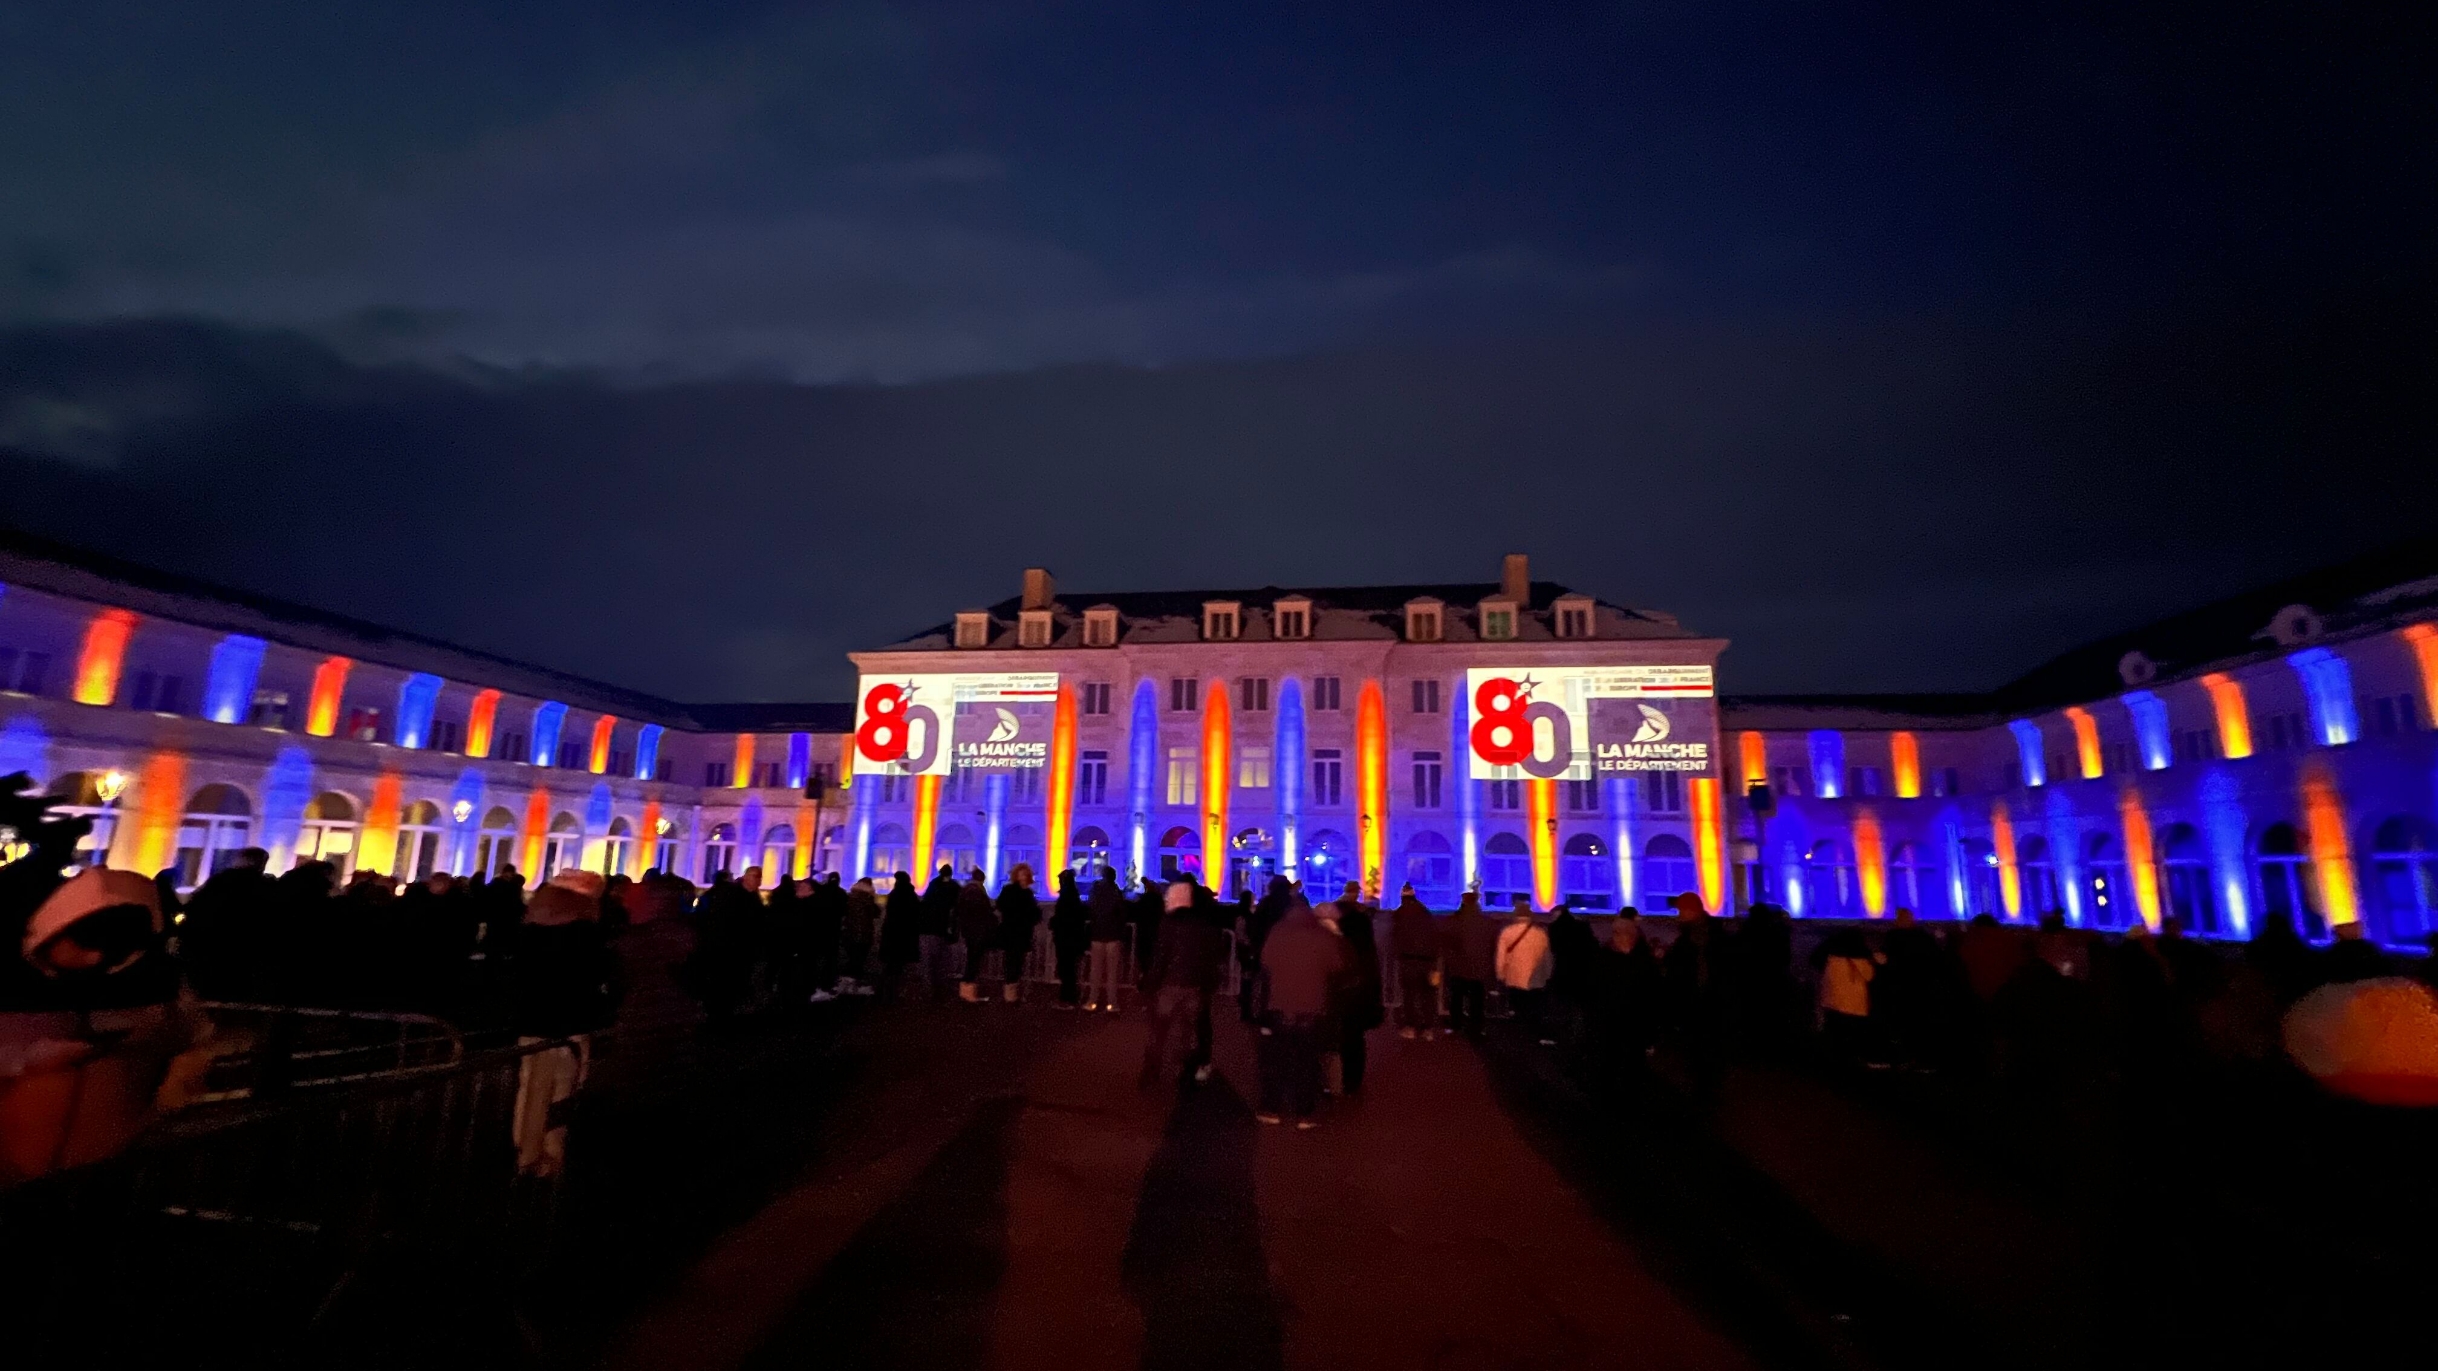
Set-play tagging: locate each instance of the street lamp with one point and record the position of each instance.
(110, 785)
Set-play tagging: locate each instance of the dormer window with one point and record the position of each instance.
(1573, 616)
(973, 629)
(1100, 626)
(1423, 621)
(1033, 628)
(1291, 619)
(1220, 621)
(1497, 620)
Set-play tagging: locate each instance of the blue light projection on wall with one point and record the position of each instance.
(2222, 816)
(228, 691)
(799, 759)
(1142, 760)
(548, 717)
(864, 798)
(1468, 791)
(647, 752)
(749, 833)
(2035, 762)
(418, 696)
(994, 815)
(24, 746)
(2328, 684)
(1620, 798)
(1288, 777)
(286, 789)
(2150, 729)
(1828, 763)
(468, 792)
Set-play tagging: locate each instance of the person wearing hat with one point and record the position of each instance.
(1413, 931)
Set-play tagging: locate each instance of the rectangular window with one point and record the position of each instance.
(2393, 714)
(973, 630)
(664, 768)
(893, 786)
(1498, 624)
(1426, 696)
(1789, 780)
(1328, 775)
(1095, 697)
(1574, 622)
(2120, 758)
(1100, 629)
(715, 774)
(1422, 625)
(1663, 792)
(1582, 797)
(1506, 796)
(1253, 768)
(1184, 775)
(621, 763)
(1025, 785)
(1253, 693)
(447, 735)
(1033, 630)
(1325, 693)
(1947, 781)
(1427, 772)
(1219, 625)
(1292, 623)
(1184, 694)
(1092, 779)
(1866, 780)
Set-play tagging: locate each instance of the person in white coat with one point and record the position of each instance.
(1523, 968)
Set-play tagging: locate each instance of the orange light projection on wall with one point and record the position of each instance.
(604, 729)
(97, 667)
(647, 840)
(377, 844)
(2010, 876)
(1709, 842)
(2141, 857)
(479, 719)
(1059, 818)
(1371, 782)
(160, 803)
(1218, 752)
(1905, 761)
(1541, 817)
(537, 826)
(808, 821)
(2331, 851)
(2234, 717)
(744, 763)
(1871, 864)
(2423, 639)
(2086, 741)
(1755, 750)
(329, 687)
(926, 818)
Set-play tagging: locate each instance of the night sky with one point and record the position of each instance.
(691, 344)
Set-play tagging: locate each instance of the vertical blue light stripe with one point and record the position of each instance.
(2150, 729)
(1142, 763)
(228, 691)
(548, 717)
(2328, 686)
(2035, 762)
(1288, 775)
(1828, 763)
(647, 751)
(799, 759)
(418, 696)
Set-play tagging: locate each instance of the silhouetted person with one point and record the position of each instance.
(1105, 932)
(978, 927)
(1472, 959)
(1360, 1008)
(1413, 935)
(1070, 930)
(1019, 918)
(1303, 962)
(901, 935)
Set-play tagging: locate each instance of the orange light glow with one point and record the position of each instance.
(1905, 760)
(604, 730)
(537, 826)
(478, 723)
(1871, 864)
(2234, 717)
(647, 840)
(2331, 852)
(1218, 754)
(744, 762)
(377, 844)
(329, 687)
(1059, 819)
(1709, 842)
(926, 818)
(1755, 750)
(2086, 741)
(2141, 857)
(2424, 641)
(2010, 876)
(1371, 781)
(97, 667)
(160, 803)
(808, 837)
(1541, 818)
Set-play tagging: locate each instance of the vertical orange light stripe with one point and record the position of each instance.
(2010, 876)
(604, 730)
(2424, 641)
(1218, 753)
(808, 837)
(2086, 741)
(479, 719)
(1709, 842)
(329, 687)
(2331, 852)
(926, 817)
(1905, 761)
(647, 840)
(1755, 750)
(1371, 781)
(1058, 822)
(2141, 857)
(160, 803)
(1871, 864)
(1541, 818)
(377, 844)
(537, 824)
(2234, 717)
(744, 762)
(97, 667)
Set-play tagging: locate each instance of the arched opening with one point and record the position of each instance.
(419, 830)
(1981, 879)
(1666, 871)
(1180, 854)
(1020, 845)
(562, 846)
(1506, 871)
(80, 796)
(668, 840)
(1430, 867)
(1090, 851)
(2287, 889)
(829, 856)
(1252, 859)
(495, 842)
(1908, 884)
(617, 847)
(778, 859)
(2191, 899)
(719, 851)
(217, 827)
(956, 846)
(2109, 898)
(2404, 870)
(2040, 892)
(1587, 875)
(893, 851)
(329, 833)
(1828, 881)
(1329, 863)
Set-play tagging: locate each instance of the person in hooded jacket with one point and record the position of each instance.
(1625, 998)
(1105, 929)
(1413, 934)
(1267, 911)
(1184, 974)
(1472, 959)
(1019, 920)
(978, 926)
(1069, 930)
(858, 923)
(901, 932)
(939, 932)
(1361, 1003)
(1303, 962)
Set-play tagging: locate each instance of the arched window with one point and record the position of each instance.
(217, 827)
(2190, 897)
(1329, 863)
(956, 846)
(1430, 865)
(2040, 894)
(2108, 897)
(1506, 871)
(1828, 880)
(495, 844)
(830, 856)
(668, 839)
(562, 846)
(80, 796)
(1587, 875)
(1180, 854)
(619, 843)
(1908, 884)
(778, 859)
(1252, 858)
(892, 851)
(1666, 871)
(719, 851)
(2287, 889)
(1981, 879)
(2404, 869)
(329, 832)
(419, 832)
(1020, 845)
(1090, 852)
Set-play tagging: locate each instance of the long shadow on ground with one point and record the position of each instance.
(1194, 1263)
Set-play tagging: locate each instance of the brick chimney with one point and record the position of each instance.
(1515, 579)
(1039, 587)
